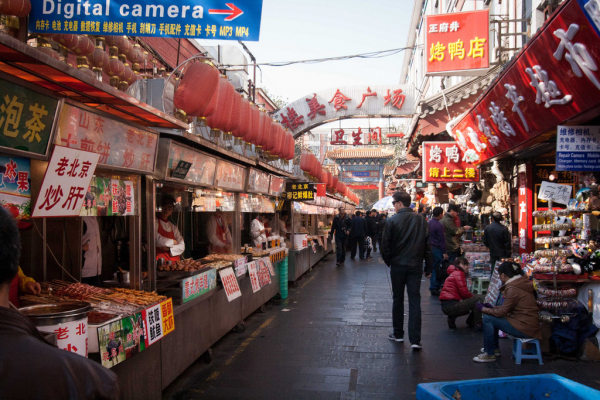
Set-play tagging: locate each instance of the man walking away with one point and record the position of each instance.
(380, 227)
(497, 238)
(404, 245)
(452, 232)
(340, 229)
(372, 230)
(357, 236)
(437, 240)
(31, 367)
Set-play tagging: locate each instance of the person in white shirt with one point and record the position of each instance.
(282, 224)
(258, 232)
(92, 252)
(218, 234)
(169, 242)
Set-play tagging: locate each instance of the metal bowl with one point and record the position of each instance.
(57, 313)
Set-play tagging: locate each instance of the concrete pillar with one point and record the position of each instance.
(381, 183)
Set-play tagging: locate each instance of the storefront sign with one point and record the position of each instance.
(254, 279)
(134, 335)
(355, 137)
(258, 182)
(555, 192)
(181, 170)
(240, 261)
(446, 162)
(111, 339)
(578, 148)
(230, 284)
(168, 318)
(195, 286)
(552, 80)
(26, 118)
(15, 186)
(109, 197)
(230, 176)
(210, 19)
(525, 207)
(302, 191)
(457, 43)
(66, 182)
(154, 326)
(203, 168)
(263, 273)
(276, 185)
(119, 145)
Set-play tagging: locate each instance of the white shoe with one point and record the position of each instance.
(417, 346)
(496, 353)
(394, 338)
(484, 358)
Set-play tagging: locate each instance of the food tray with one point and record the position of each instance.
(182, 274)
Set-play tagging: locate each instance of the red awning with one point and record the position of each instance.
(407, 168)
(25, 62)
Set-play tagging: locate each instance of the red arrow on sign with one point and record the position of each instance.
(233, 13)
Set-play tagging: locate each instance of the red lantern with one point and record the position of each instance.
(48, 50)
(254, 125)
(18, 8)
(125, 46)
(99, 58)
(67, 40)
(285, 151)
(279, 140)
(115, 41)
(244, 119)
(136, 56)
(264, 129)
(292, 148)
(235, 116)
(115, 67)
(196, 89)
(270, 141)
(212, 106)
(221, 115)
(304, 161)
(84, 47)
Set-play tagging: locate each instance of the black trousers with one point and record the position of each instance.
(410, 278)
(340, 249)
(360, 242)
(374, 240)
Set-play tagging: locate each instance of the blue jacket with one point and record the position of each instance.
(359, 227)
(341, 227)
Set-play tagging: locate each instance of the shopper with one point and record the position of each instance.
(340, 229)
(92, 252)
(496, 237)
(452, 232)
(404, 246)
(31, 367)
(372, 230)
(517, 316)
(380, 227)
(357, 236)
(456, 298)
(437, 240)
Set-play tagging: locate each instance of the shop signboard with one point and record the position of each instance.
(355, 137)
(26, 119)
(111, 339)
(457, 43)
(134, 334)
(119, 145)
(254, 279)
(555, 192)
(182, 169)
(185, 19)
(321, 190)
(258, 182)
(153, 318)
(276, 185)
(300, 191)
(230, 284)
(196, 285)
(109, 197)
(552, 80)
(202, 169)
(168, 318)
(263, 273)
(446, 162)
(525, 204)
(578, 148)
(65, 183)
(15, 186)
(230, 176)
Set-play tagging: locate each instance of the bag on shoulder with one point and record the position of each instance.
(441, 273)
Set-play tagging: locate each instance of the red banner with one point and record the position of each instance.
(524, 209)
(446, 162)
(321, 190)
(553, 80)
(457, 42)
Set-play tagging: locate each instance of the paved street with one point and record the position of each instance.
(328, 340)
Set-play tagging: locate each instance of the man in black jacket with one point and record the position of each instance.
(372, 230)
(340, 229)
(31, 367)
(357, 236)
(497, 238)
(404, 246)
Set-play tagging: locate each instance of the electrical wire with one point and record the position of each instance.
(50, 250)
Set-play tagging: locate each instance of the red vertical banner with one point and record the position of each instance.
(525, 208)
(321, 190)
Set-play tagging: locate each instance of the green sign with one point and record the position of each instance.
(26, 118)
(195, 286)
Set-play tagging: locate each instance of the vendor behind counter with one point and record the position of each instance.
(169, 242)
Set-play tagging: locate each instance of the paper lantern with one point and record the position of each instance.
(125, 46)
(291, 147)
(48, 50)
(244, 111)
(220, 117)
(84, 47)
(196, 89)
(99, 58)
(235, 116)
(252, 134)
(116, 41)
(278, 140)
(115, 67)
(136, 56)
(270, 141)
(304, 161)
(212, 106)
(264, 128)
(67, 40)
(18, 8)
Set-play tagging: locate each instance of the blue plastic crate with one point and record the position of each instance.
(531, 387)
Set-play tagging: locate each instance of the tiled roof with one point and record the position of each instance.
(360, 153)
(407, 168)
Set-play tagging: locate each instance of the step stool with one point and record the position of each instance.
(518, 353)
(480, 285)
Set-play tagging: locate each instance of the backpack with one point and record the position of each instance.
(441, 272)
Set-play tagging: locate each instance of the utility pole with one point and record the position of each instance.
(253, 59)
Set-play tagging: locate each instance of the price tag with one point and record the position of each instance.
(154, 325)
(182, 169)
(240, 261)
(230, 284)
(254, 279)
(555, 192)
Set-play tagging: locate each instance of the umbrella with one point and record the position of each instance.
(384, 204)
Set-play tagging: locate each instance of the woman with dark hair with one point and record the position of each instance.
(518, 316)
(169, 242)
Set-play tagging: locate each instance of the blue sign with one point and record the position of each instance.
(364, 174)
(200, 19)
(591, 9)
(578, 148)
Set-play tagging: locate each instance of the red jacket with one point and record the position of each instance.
(455, 286)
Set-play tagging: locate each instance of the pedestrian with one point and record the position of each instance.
(340, 229)
(452, 232)
(372, 231)
(496, 237)
(31, 367)
(380, 227)
(456, 298)
(437, 240)
(404, 246)
(517, 316)
(357, 236)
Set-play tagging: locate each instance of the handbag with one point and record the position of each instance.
(368, 243)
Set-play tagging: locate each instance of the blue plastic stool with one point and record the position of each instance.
(519, 353)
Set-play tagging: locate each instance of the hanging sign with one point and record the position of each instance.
(181, 170)
(446, 162)
(555, 192)
(254, 279)
(578, 148)
(525, 200)
(299, 191)
(65, 183)
(196, 285)
(230, 284)
(15, 186)
(210, 19)
(355, 137)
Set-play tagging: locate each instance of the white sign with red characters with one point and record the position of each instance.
(65, 183)
(71, 336)
(230, 284)
(154, 324)
(254, 279)
(445, 162)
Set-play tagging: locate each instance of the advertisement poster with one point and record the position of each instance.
(133, 330)
(111, 339)
(15, 186)
(168, 318)
(446, 162)
(263, 273)
(230, 176)
(100, 199)
(258, 181)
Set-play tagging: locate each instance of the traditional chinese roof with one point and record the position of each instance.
(407, 168)
(388, 170)
(360, 153)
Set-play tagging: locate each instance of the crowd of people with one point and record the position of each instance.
(362, 231)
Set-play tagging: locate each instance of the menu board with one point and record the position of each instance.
(230, 176)
(202, 170)
(109, 197)
(195, 286)
(277, 185)
(15, 186)
(258, 181)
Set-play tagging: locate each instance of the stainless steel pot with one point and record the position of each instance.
(123, 277)
(59, 313)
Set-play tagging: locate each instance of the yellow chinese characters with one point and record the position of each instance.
(437, 52)
(11, 114)
(434, 172)
(456, 49)
(470, 173)
(446, 173)
(477, 49)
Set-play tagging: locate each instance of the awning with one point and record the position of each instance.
(407, 168)
(25, 62)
